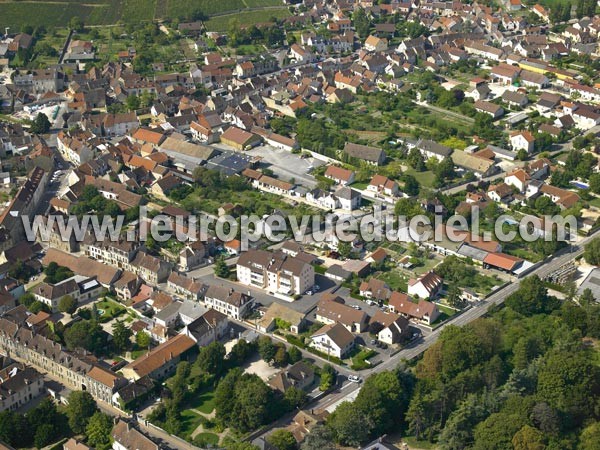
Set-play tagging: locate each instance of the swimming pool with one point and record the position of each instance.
(580, 184)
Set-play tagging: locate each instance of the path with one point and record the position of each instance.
(447, 112)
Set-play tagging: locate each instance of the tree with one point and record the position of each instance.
(266, 349)
(211, 358)
(121, 335)
(98, 430)
(415, 159)
(411, 185)
(143, 339)
(349, 424)
(132, 102)
(294, 398)
(454, 298)
(528, 438)
(44, 435)
(282, 440)
(67, 304)
(362, 24)
(281, 357)
(590, 436)
(592, 252)
(27, 299)
(294, 354)
(344, 249)
(86, 334)
(221, 268)
(328, 377)
(40, 124)
(81, 407)
(38, 306)
(531, 297)
(76, 24)
(319, 438)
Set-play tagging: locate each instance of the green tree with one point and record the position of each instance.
(282, 440)
(76, 24)
(294, 398)
(40, 124)
(528, 438)
(44, 435)
(81, 407)
(319, 438)
(86, 334)
(121, 335)
(362, 24)
(266, 348)
(38, 306)
(415, 159)
(211, 358)
(294, 354)
(143, 339)
(592, 252)
(67, 304)
(350, 425)
(328, 377)
(132, 103)
(281, 357)
(27, 299)
(221, 268)
(531, 297)
(98, 430)
(590, 437)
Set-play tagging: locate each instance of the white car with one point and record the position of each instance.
(356, 307)
(354, 378)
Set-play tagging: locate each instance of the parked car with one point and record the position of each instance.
(354, 378)
(356, 307)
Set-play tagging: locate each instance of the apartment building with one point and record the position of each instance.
(229, 302)
(18, 386)
(275, 272)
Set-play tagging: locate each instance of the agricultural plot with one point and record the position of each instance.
(220, 23)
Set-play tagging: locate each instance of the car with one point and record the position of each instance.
(317, 287)
(309, 292)
(374, 341)
(356, 307)
(354, 379)
(370, 302)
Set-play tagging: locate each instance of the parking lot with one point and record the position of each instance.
(287, 165)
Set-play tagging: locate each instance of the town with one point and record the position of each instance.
(487, 111)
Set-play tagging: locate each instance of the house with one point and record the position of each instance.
(518, 178)
(229, 302)
(275, 272)
(333, 339)
(299, 375)
(348, 198)
(330, 311)
(375, 44)
(502, 261)
(240, 139)
(424, 311)
(188, 288)
(78, 287)
(375, 289)
(337, 273)
(496, 111)
(150, 268)
(513, 98)
(340, 175)
(161, 361)
(233, 247)
(522, 140)
(395, 331)
(192, 255)
(19, 385)
(165, 185)
(126, 437)
(480, 167)
(426, 286)
(384, 186)
(378, 256)
(276, 314)
(431, 149)
(119, 124)
(209, 327)
(500, 193)
(505, 73)
(371, 155)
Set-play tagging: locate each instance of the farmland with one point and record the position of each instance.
(105, 12)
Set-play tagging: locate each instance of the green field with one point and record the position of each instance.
(220, 23)
(57, 13)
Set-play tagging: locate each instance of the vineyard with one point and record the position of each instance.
(57, 13)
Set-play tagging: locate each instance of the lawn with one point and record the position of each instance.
(425, 178)
(109, 309)
(203, 402)
(595, 202)
(190, 420)
(220, 23)
(395, 279)
(360, 360)
(361, 186)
